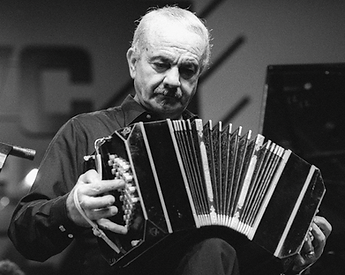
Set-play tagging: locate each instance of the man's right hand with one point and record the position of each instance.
(95, 200)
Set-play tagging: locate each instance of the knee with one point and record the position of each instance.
(210, 256)
(217, 246)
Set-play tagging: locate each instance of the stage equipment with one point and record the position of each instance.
(304, 111)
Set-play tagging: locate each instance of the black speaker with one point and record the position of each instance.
(305, 112)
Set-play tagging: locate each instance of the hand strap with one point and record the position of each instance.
(95, 228)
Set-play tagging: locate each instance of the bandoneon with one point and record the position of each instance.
(183, 175)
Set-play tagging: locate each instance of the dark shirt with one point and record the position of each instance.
(40, 227)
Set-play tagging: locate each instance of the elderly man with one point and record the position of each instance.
(170, 50)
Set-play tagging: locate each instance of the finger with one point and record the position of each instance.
(308, 245)
(306, 256)
(319, 241)
(90, 176)
(97, 214)
(109, 225)
(90, 203)
(324, 225)
(98, 186)
(102, 186)
(299, 262)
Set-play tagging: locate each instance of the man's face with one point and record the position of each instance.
(166, 72)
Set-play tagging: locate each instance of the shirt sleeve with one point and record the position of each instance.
(40, 227)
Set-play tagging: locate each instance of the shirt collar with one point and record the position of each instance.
(134, 112)
(131, 109)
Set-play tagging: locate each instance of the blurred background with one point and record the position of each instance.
(60, 58)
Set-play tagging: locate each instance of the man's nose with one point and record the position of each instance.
(172, 77)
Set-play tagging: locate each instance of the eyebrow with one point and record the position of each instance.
(187, 61)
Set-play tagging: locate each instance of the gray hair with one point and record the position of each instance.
(183, 16)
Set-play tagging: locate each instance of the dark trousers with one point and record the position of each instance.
(210, 256)
(199, 252)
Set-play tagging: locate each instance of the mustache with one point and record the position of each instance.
(170, 92)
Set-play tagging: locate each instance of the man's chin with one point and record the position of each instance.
(167, 100)
(168, 111)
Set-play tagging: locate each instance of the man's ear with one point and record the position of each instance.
(132, 60)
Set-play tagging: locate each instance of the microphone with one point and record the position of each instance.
(23, 152)
(17, 151)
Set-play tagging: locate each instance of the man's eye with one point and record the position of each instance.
(188, 72)
(160, 66)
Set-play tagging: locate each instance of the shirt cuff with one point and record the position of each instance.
(60, 220)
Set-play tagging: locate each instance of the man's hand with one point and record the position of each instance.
(96, 202)
(314, 245)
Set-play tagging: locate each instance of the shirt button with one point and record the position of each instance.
(62, 228)
(70, 236)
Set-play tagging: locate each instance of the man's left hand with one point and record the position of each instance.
(314, 245)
